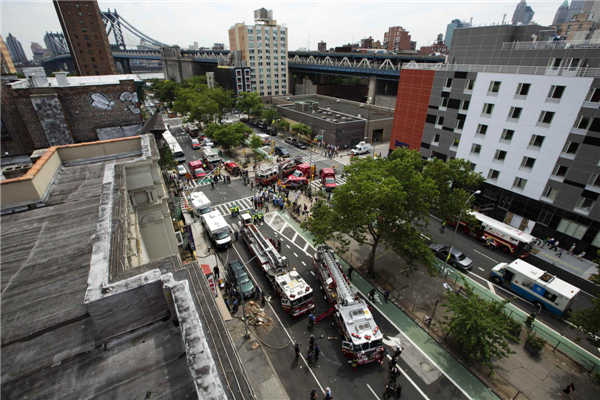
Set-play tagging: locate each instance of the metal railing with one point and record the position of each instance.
(554, 45)
(508, 69)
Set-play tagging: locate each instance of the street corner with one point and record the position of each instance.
(277, 221)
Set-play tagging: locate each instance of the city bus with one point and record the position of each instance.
(178, 154)
(537, 286)
(509, 240)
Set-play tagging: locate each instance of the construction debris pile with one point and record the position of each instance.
(256, 316)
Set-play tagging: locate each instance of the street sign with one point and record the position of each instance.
(188, 175)
(318, 137)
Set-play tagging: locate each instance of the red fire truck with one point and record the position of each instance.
(296, 295)
(362, 337)
(197, 169)
(271, 174)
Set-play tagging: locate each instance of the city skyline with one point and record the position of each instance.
(353, 24)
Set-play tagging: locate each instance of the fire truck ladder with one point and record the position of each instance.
(325, 314)
(265, 248)
(343, 288)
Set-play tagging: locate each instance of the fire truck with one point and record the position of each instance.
(271, 174)
(296, 295)
(362, 337)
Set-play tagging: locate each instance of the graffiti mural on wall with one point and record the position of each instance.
(100, 101)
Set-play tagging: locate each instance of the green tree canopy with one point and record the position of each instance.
(270, 115)
(301, 130)
(250, 103)
(255, 142)
(383, 201)
(283, 124)
(164, 90)
(478, 325)
(232, 135)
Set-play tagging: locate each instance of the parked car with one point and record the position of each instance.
(195, 144)
(291, 140)
(282, 152)
(208, 142)
(272, 132)
(181, 170)
(244, 120)
(457, 259)
(300, 145)
(240, 278)
(172, 115)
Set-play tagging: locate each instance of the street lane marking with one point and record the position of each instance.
(491, 287)
(489, 258)
(282, 326)
(481, 269)
(295, 236)
(303, 263)
(410, 380)
(372, 391)
(288, 246)
(295, 255)
(305, 247)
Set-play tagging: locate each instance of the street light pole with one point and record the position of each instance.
(368, 120)
(247, 334)
(456, 227)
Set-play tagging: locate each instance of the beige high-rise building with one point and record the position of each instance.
(7, 64)
(264, 47)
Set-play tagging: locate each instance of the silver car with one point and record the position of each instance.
(457, 259)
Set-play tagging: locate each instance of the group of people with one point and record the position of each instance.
(217, 177)
(553, 244)
(393, 388)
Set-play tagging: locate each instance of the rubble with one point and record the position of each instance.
(256, 315)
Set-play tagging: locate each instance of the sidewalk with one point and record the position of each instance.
(570, 263)
(521, 375)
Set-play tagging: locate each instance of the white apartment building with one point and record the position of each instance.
(264, 47)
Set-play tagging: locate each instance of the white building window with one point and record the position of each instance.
(515, 112)
(570, 147)
(585, 204)
(500, 155)
(493, 174)
(550, 193)
(444, 102)
(594, 180)
(487, 109)
(560, 171)
(528, 162)
(460, 124)
(464, 105)
(593, 95)
(439, 121)
(571, 228)
(583, 122)
(481, 129)
(556, 92)
(448, 83)
(469, 84)
(475, 149)
(523, 89)
(536, 140)
(507, 134)
(494, 87)
(519, 183)
(546, 117)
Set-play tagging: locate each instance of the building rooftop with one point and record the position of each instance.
(338, 108)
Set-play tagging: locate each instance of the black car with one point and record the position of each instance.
(300, 145)
(272, 132)
(244, 120)
(282, 152)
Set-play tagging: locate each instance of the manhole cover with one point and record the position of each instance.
(425, 367)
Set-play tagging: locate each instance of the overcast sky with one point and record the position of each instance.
(335, 22)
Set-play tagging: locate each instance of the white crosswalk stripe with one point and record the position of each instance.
(195, 184)
(224, 208)
(171, 119)
(316, 185)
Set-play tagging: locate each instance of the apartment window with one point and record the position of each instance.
(528, 162)
(444, 102)
(515, 112)
(556, 92)
(460, 124)
(507, 134)
(560, 171)
(554, 63)
(500, 155)
(475, 149)
(546, 117)
(469, 83)
(439, 121)
(464, 105)
(481, 129)
(493, 174)
(594, 180)
(448, 83)
(570, 148)
(536, 140)
(572, 63)
(593, 95)
(571, 228)
(523, 89)
(544, 218)
(585, 204)
(487, 109)
(550, 193)
(76, 5)
(519, 183)
(582, 122)
(455, 142)
(494, 87)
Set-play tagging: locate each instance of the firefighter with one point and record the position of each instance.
(317, 351)
(313, 394)
(394, 372)
(311, 320)
(354, 362)
(309, 356)
(297, 349)
(398, 352)
(393, 363)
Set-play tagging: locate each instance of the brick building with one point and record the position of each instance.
(396, 39)
(40, 112)
(82, 24)
(322, 46)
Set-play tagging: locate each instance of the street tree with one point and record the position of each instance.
(223, 99)
(270, 115)
(212, 130)
(255, 142)
(164, 90)
(478, 325)
(588, 319)
(382, 202)
(166, 158)
(229, 136)
(301, 130)
(284, 125)
(249, 102)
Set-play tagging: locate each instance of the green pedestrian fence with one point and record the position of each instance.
(554, 339)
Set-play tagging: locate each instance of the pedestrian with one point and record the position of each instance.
(237, 234)
(372, 295)
(313, 394)
(555, 245)
(386, 295)
(581, 255)
(443, 228)
(350, 270)
(317, 351)
(393, 362)
(569, 389)
(212, 185)
(398, 352)
(278, 245)
(297, 349)
(305, 208)
(311, 341)
(309, 357)
(572, 249)
(354, 362)
(252, 185)
(262, 300)
(216, 272)
(560, 251)
(235, 305)
(227, 287)
(227, 304)
(328, 395)
(394, 372)
(257, 293)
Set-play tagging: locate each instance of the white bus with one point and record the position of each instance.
(178, 154)
(537, 286)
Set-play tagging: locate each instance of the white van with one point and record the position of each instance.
(361, 148)
(266, 139)
(217, 229)
(200, 204)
